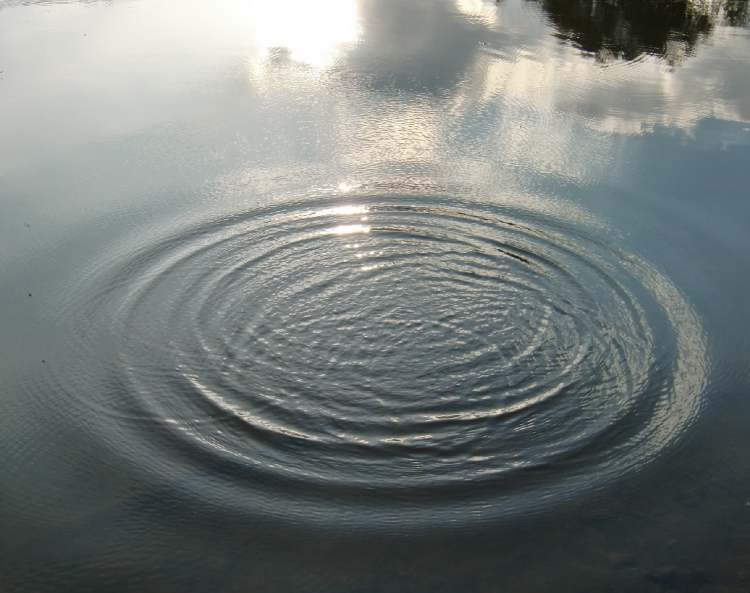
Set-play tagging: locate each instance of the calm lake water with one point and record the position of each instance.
(363, 296)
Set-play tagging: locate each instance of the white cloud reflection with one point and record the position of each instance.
(483, 10)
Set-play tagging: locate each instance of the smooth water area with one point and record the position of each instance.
(362, 296)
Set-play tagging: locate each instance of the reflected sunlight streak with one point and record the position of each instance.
(348, 229)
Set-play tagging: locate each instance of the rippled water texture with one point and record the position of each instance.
(376, 344)
(361, 296)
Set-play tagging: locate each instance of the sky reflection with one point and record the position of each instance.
(468, 88)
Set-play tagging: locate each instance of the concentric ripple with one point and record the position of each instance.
(386, 345)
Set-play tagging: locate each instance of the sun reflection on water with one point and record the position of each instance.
(349, 229)
(310, 33)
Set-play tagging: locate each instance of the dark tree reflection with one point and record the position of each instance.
(626, 29)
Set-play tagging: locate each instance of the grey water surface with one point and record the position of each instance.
(363, 296)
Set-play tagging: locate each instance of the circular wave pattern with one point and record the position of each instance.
(392, 345)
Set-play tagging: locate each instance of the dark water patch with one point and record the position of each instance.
(629, 29)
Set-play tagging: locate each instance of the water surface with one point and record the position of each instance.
(374, 296)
